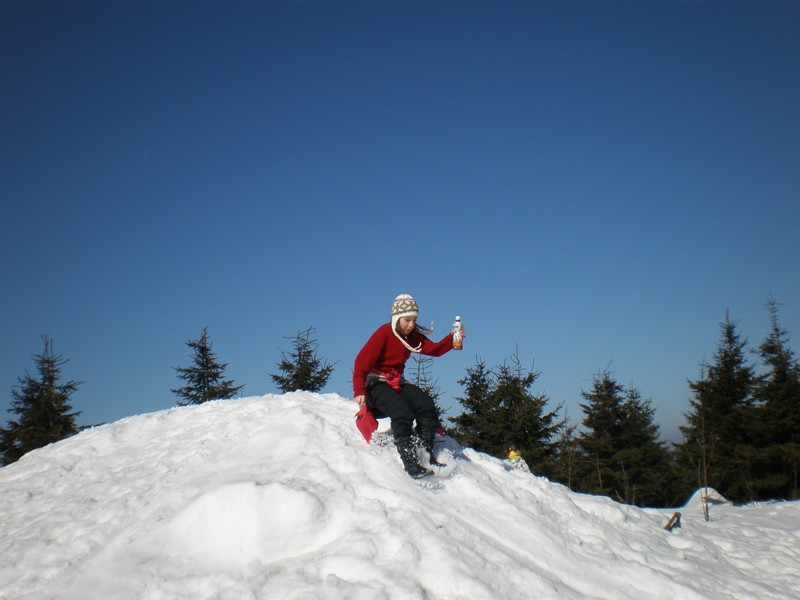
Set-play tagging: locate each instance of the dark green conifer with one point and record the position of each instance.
(500, 410)
(525, 421)
(777, 396)
(471, 427)
(302, 369)
(205, 379)
(42, 406)
(717, 449)
(622, 455)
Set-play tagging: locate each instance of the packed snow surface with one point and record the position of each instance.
(280, 497)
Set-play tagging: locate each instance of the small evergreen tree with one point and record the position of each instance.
(717, 445)
(647, 460)
(524, 421)
(302, 369)
(42, 406)
(567, 453)
(471, 427)
(205, 378)
(777, 395)
(603, 420)
(500, 411)
(622, 456)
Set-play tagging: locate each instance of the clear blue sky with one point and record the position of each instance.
(593, 184)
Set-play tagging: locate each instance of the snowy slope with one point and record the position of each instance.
(279, 497)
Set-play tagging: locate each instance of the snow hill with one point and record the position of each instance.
(280, 497)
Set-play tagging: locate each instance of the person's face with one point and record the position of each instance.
(405, 325)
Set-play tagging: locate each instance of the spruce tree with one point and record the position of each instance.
(648, 461)
(500, 411)
(777, 394)
(302, 369)
(205, 379)
(603, 421)
(42, 406)
(565, 467)
(717, 445)
(471, 427)
(524, 419)
(622, 456)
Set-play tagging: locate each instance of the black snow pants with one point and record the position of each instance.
(403, 408)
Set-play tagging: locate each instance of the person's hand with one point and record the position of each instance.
(360, 400)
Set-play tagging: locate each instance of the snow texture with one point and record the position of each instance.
(280, 497)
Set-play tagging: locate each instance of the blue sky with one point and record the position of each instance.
(591, 185)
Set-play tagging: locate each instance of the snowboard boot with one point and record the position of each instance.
(408, 454)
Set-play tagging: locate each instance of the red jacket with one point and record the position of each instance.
(384, 353)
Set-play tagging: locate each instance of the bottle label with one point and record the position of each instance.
(458, 340)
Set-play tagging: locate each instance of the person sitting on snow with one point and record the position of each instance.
(378, 381)
(515, 458)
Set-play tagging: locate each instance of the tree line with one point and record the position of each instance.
(741, 435)
(44, 414)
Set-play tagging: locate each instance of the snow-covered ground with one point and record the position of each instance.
(280, 497)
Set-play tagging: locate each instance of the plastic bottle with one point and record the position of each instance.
(458, 334)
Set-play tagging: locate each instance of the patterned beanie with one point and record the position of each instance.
(404, 306)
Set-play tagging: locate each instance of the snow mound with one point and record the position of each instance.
(713, 496)
(237, 524)
(280, 497)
